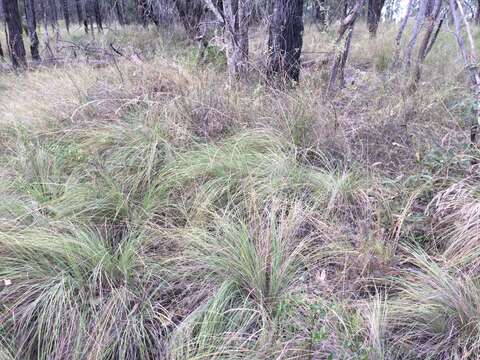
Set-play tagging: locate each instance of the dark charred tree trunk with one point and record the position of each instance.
(66, 14)
(81, 17)
(15, 39)
(119, 12)
(374, 14)
(98, 14)
(285, 40)
(89, 16)
(190, 13)
(32, 28)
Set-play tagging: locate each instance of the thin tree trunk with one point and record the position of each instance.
(81, 16)
(141, 13)
(1, 51)
(435, 36)
(401, 30)
(32, 29)
(470, 60)
(66, 14)
(78, 6)
(98, 14)
(15, 39)
(407, 59)
(119, 12)
(373, 15)
(477, 13)
(124, 7)
(321, 12)
(237, 13)
(285, 40)
(53, 14)
(90, 15)
(426, 43)
(43, 11)
(343, 42)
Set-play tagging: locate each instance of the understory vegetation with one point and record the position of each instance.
(152, 209)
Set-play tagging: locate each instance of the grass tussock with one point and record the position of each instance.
(152, 209)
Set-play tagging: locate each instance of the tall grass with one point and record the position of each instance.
(151, 209)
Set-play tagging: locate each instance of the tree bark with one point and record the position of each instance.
(32, 29)
(98, 14)
(426, 43)
(477, 14)
(285, 40)
(89, 16)
(119, 12)
(125, 14)
(53, 14)
(15, 39)
(373, 15)
(343, 42)
(66, 14)
(470, 60)
(401, 30)
(422, 12)
(236, 15)
(321, 12)
(81, 14)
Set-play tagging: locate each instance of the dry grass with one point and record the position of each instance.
(152, 209)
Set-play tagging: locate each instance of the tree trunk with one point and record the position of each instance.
(285, 40)
(374, 14)
(398, 38)
(1, 51)
(125, 11)
(477, 14)
(321, 12)
(345, 34)
(66, 14)
(81, 16)
(426, 44)
(15, 39)
(236, 14)
(119, 12)
(89, 16)
(44, 13)
(470, 60)
(32, 29)
(98, 14)
(53, 14)
(422, 12)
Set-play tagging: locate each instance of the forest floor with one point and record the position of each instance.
(149, 208)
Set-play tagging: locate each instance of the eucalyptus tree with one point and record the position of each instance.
(285, 40)
(15, 38)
